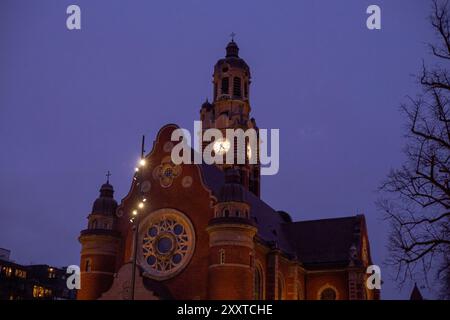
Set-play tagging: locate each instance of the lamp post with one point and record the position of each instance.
(135, 219)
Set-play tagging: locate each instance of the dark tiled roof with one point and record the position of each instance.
(326, 241)
(321, 243)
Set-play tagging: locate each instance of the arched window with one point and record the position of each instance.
(237, 87)
(258, 285)
(238, 213)
(328, 294)
(94, 224)
(222, 256)
(225, 85)
(87, 265)
(226, 213)
(280, 294)
(106, 226)
(215, 90)
(246, 89)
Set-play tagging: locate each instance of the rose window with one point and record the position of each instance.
(167, 239)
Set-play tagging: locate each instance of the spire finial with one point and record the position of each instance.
(232, 35)
(108, 174)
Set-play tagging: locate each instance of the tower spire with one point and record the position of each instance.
(108, 174)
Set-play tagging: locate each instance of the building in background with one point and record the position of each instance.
(27, 282)
(205, 232)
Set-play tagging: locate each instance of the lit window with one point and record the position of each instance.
(47, 293)
(21, 273)
(7, 271)
(51, 273)
(38, 292)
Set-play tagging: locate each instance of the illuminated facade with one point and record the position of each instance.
(204, 231)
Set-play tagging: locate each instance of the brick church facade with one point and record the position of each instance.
(203, 232)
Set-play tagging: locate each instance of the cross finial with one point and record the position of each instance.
(108, 174)
(232, 35)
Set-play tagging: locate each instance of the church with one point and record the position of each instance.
(198, 231)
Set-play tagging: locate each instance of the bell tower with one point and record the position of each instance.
(230, 109)
(100, 244)
(231, 243)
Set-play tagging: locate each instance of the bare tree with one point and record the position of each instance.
(417, 195)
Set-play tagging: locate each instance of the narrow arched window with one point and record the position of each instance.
(258, 285)
(225, 85)
(222, 256)
(280, 288)
(94, 224)
(215, 90)
(237, 87)
(246, 89)
(226, 213)
(87, 265)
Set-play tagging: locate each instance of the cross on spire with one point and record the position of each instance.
(232, 35)
(108, 174)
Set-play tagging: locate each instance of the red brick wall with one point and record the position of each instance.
(191, 283)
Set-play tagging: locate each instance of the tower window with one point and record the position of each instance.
(225, 85)
(94, 224)
(237, 87)
(246, 89)
(222, 256)
(87, 265)
(226, 213)
(215, 90)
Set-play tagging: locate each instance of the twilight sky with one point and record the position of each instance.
(74, 104)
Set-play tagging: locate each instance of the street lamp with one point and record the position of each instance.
(135, 219)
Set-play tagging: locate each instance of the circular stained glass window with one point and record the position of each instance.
(168, 240)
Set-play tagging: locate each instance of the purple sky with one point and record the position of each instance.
(74, 104)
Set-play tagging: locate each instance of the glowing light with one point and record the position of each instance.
(144, 200)
(142, 162)
(135, 212)
(141, 205)
(221, 146)
(136, 169)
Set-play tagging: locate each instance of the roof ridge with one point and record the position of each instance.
(329, 219)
